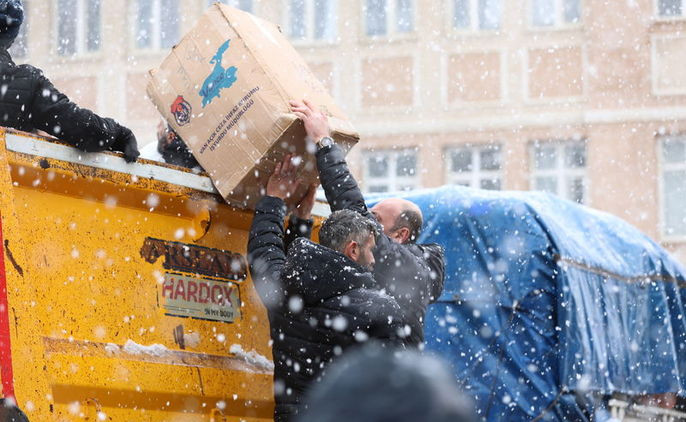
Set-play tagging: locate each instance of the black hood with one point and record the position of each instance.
(11, 18)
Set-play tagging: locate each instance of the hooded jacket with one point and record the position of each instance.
(11, 18)
(413, 274)
(29, 101)
(319, 302)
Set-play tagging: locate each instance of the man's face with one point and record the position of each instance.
(366, 255)
(387, 213)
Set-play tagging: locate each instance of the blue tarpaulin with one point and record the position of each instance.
(547, 302)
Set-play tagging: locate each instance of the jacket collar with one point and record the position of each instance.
(5, 56)
(323, 272)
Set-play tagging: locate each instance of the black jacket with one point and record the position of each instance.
(413, 274)
(29, 101)
(319, 302)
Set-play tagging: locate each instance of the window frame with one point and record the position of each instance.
(659, 17)
(559, 24)
(473, 177)
(654, 73)
(156, 47)
(561, 172)
(451, 104)
(473, 28)
(358, 78)
(310, 28)
(81, 32)
(526, 80)
(393, 181)
(392, 33)
(662, 167)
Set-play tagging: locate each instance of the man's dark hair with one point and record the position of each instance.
(412, 220)
(344, 226)
(174, 149)
(381, 385)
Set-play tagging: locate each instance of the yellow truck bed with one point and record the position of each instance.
(124, 291)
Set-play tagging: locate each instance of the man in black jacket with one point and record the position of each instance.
(321, 299)
(411, 273)
(28, 101)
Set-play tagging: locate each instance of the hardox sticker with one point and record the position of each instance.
(200, 298)
(205, 285)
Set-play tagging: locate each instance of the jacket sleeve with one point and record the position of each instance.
(340, 187)
(435, 258)
(297, 227)
(54, 113)
(266, 255)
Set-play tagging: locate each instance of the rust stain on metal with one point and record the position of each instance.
(196, 259)
(11, 258)
(178, 337)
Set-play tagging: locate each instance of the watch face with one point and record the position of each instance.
(326, 141)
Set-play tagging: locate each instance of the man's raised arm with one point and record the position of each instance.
(340, 187)
(266, 253)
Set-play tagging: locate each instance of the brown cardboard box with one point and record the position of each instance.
(225, 90)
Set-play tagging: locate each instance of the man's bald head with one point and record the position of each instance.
(401, 219)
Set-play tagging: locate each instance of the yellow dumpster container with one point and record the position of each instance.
(124, 291)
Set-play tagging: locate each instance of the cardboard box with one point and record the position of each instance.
(225, 89)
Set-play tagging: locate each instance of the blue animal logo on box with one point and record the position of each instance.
(219, 79)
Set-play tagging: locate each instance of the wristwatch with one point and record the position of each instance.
(326, 141)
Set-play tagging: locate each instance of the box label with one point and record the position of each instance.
(220, 78)
(182, 111)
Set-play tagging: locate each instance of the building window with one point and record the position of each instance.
(560, 168)
(78, 26)
(477, 15)
(157, 24)
(550, 13)
(20, 46)
(245, 5)
(674, 186)
(387, 171)
(388, 17)
(312, 20)
(475, 166)
(670, 8)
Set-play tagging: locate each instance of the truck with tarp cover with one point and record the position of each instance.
(551, 309)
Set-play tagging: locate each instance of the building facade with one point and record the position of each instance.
(586, 99)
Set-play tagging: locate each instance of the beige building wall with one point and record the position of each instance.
(614, 80)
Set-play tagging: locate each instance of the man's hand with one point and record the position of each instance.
(283, 182)
(316, 122)
(126, 142)
(304, 209)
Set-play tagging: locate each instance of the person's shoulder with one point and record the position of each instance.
(377, 300)
(29, 70)
(305, 243)
(432, 249)
(303, 249)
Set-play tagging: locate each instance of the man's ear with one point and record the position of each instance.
(352, 250)
(402, 235)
